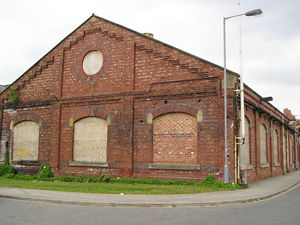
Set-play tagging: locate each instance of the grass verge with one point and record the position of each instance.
(117, 188)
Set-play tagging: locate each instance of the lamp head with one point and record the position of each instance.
(266, 99)
(254, 12)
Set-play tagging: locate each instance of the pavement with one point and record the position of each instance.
(257, 191)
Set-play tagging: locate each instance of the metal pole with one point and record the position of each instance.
(241, 83)
(250, 13)
(295, 147)
(242, 104)
(225, 105)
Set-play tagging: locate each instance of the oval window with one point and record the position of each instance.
(92, 62)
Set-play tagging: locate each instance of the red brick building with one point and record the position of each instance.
(110, 100)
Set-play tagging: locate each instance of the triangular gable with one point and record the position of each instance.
(48, 60)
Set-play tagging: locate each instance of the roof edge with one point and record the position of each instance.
(254, 92)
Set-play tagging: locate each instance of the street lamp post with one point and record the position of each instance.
(250, 13)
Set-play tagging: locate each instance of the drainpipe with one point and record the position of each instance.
(235, 162)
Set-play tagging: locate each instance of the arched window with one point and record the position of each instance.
(275, 147)
(263, 144)
(245, 148)
(26, 141)
(90, 140)
(175, 139)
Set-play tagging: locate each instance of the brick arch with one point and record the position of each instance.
(174, 108)
(26, 117)
(91, 112)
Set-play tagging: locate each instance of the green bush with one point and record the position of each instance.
(13, 95)
(101, 179)
(93, 180)
(104, 178)
(9, 175)
(67, 178)
(209, 179)
(22, 176)
(6, 169)
(6, 157)
(45, 173)
(80, 179)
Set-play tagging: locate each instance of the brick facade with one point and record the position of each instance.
(163, 107)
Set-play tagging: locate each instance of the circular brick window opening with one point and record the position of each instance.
(92, 62)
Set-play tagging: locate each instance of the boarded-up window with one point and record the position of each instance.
(263, 144)
(26, 141)
(175, 139)
(291, 150)
(245, 148)
(286, 150)
(90, 140)
(275, 146)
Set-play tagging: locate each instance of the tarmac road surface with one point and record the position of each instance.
(279, 210)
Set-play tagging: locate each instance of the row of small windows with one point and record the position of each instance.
(245, 148)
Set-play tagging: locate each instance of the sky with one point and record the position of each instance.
(270, 42)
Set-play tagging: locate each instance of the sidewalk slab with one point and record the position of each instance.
(259, 190)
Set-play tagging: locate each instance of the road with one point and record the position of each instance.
(280, 210)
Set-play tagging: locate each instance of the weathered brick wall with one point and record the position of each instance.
(42, 116)
(141, 81)
(259, 113)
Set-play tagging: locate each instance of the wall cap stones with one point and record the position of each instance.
(167, 166)
(89, 164)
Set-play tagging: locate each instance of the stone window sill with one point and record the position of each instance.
(247, 167)
(88, 164)
(26, 162)
(168, 166)
(264, 165)
(276, 164)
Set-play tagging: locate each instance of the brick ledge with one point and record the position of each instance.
(247, 167)
(169, 166)
(264, 165)
(88, 164)
(26, 162)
